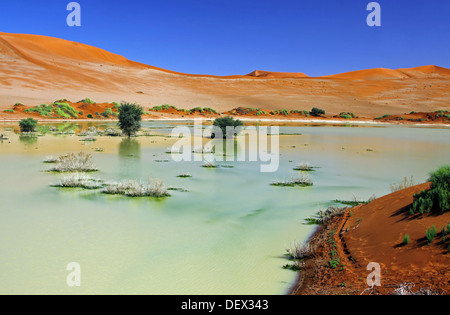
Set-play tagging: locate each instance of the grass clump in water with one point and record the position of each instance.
(323, 216)
(209, 164)
(185, 175)
(131, 188)
(72, 163)
(79, 180)
(305, 167)
(303, 181)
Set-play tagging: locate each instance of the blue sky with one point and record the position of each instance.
(224, 37)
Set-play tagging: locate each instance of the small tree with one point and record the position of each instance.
(28, 125)
(317, 112)
(130, 117)
(235, 126)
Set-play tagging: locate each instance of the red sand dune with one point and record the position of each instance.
(279, 75)
(374, 233)
(38, 69)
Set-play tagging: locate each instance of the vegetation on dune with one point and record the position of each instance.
(405, 183)
(72, 163)
(8, 111)
(347, 115)
(229, 126)
(108, 112)
(323, 216)
(86, 101)
(28, 125)
(130, 117)
(382, 117)
(437, 199)
(431, 234)
(317, 112)
(406, 239)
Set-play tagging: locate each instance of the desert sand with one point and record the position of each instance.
(374, 233)
(38, 69)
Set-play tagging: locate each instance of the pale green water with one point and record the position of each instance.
(226, 235)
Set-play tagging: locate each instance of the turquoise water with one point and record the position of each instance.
(226, 235)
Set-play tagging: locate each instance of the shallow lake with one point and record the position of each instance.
(226, 234)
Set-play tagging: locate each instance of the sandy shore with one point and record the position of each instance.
(374, 233)
(251, 120)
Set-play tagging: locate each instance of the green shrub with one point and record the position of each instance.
(90, 116)
(228, 121)
(317, 112)
(406, 239)
(28, 125)
(431, 234)
(438, 197)
(8, 111)
(382, 117)
(108, 112)
(65, 110)
(86, 101)
(347, 115)
(210, 110)
(130, 117)
(61, 113)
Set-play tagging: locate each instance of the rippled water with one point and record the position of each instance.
(226, 235)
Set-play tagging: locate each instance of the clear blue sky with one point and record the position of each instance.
(224, 37)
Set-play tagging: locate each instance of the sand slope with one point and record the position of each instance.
(38, 69)
(374, 233)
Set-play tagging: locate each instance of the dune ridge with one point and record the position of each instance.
(38, 69)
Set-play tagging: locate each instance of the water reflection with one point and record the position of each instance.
(28, 139)
(129, 147)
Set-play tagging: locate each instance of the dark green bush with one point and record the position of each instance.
(228, 121)
(130, 117)
(108, 112)
(28, 125)
(90, 116)
(406, 239)
(438, 197)
(431, 234)
(317, 112)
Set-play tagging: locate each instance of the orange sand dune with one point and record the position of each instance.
(374, 233)
(280, 75)
(38, 69)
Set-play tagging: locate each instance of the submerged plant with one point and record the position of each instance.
(131, 188)
(301, 250)
(209, 164)
(184, 175)
(323, 216)
(79, 180)
(295, 180)
(304, 167)
(71, 163)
